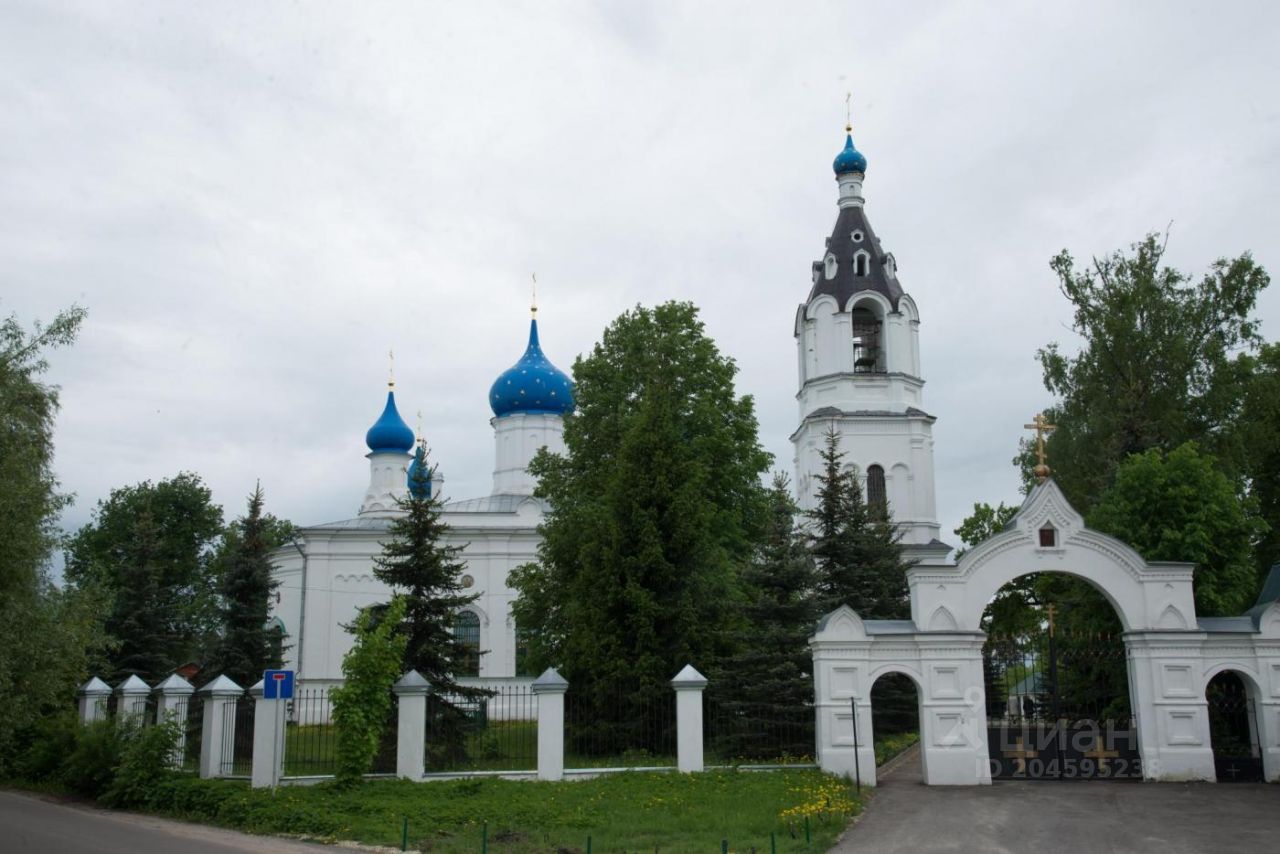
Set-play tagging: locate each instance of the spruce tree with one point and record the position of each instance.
(138, 621)
(248, 647)
(427, 574)
(761, 696)
(858, 556)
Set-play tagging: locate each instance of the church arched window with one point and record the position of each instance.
(877, 499)
(866, 341)
(466, 628)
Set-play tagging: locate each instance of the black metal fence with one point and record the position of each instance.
(497, 732)
(620, 726)
(753, 733)
(237, 736)
(190, 711)
(310, 737)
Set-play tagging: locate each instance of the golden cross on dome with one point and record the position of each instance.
(419, 425)
(391, 371)
(848, 112)
(1042, 427)
(1051, 611)
(533, 307)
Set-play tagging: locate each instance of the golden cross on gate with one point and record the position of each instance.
(1042, 427)
(1099, 754)
(1020, 755)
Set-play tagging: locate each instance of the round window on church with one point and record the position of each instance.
(468, 581)
(857, 236)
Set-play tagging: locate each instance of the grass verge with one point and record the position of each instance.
(627, 812)
(890, 746)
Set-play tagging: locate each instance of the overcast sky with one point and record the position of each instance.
(255, 201)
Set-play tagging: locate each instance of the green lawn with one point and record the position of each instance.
(889, 746)
(655, 811)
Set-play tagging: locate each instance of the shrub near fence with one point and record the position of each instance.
(311, 738)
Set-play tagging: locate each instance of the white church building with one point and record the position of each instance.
(857, 335)
(328, 574)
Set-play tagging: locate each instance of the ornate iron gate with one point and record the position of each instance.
(1233, 728)
(1058, 708)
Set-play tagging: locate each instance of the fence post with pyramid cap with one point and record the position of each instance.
(219, 725)
(132, 704)
(411, 692)
(689, 684)
(268, 738)
(93, 700)
(549, 688)
(175, 700)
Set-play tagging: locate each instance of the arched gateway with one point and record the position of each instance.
(1170, 654)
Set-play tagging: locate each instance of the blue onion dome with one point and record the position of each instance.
(532, 384)
(420, 488)
(389, 433)
(850, 159)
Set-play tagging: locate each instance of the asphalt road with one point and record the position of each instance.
(1068, 817)
(29, 823)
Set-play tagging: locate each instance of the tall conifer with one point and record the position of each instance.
(857, 553)
(763, 693)
(248, 646)
(417, 563)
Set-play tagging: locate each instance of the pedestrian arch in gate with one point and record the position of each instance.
(1170, 657)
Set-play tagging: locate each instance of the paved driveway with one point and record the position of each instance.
(1168, 818)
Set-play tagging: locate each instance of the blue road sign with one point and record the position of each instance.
(277, 684)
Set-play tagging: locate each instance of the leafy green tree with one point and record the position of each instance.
(763, 692)
(29, 501)
(1159, 365)
(49, 638)
(185, 528)
(982, 524)
(656, 503)
(859, 559)
(362, 704)
(247, 645)
(1180, 506)
(1260, 440)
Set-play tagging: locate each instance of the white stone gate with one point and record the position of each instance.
(1171, 654)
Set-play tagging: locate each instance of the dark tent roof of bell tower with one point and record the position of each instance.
(845, 283)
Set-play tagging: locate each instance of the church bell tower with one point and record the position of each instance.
(858, 341)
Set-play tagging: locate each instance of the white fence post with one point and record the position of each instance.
(133, 700)
(268, 739)
(689, 684)
(175, 698)
(411, 725)
(93, 700)
(219, 696)
(549, 688)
